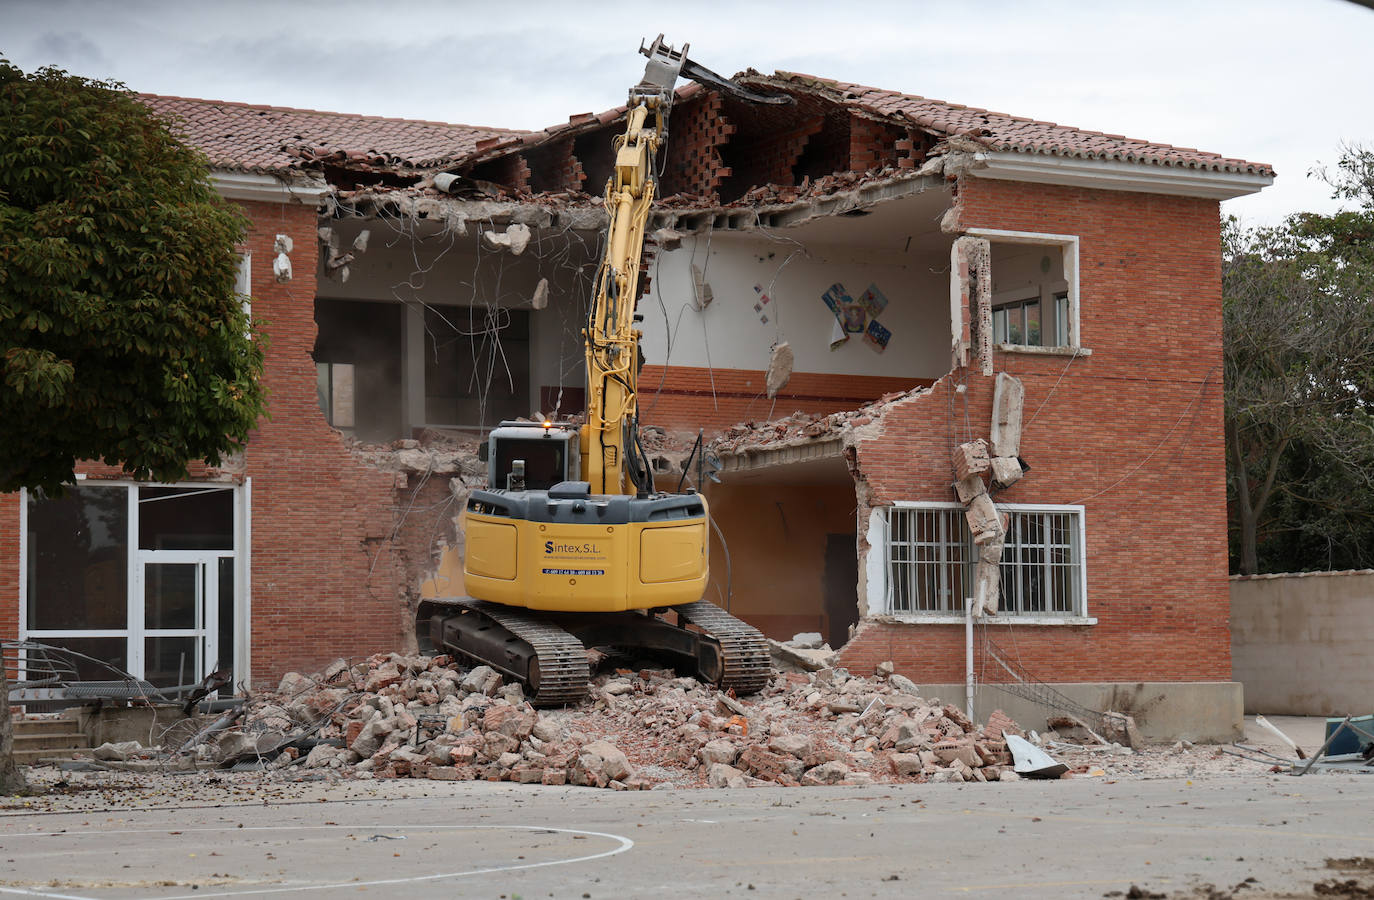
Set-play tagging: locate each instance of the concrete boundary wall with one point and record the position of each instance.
(1164, 711)
(1302, 643)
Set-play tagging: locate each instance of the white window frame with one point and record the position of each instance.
(1068, 246)
(881, 599)
(133, 630)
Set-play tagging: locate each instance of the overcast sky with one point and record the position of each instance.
(1276, 81)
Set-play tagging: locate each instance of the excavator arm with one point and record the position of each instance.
(613, 461)
(553, 563)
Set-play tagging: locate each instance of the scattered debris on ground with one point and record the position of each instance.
(1348, 748)
(395, 716)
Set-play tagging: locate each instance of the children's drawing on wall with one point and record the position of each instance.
(857, 316)
(873, 301)
(877, 336)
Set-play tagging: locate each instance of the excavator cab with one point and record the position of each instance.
(530, 456)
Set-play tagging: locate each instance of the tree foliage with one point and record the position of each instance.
(1299, 360)
(121, 336)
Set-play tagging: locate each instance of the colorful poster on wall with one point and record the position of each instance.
(836, 299)
(877, 336)
(838, 336)
(854, 318)
(873, 301)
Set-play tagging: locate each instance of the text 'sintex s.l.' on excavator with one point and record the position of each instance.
(571, 546)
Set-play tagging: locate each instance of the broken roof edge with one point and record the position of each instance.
(1004, 132)
(577, 125)
(292, 186)
(587, 212)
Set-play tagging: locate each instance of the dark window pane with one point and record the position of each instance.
(170, 661)
(171, 593)
(111, 650)
(78, 559)
(367, 336)
(226, 618)
(194, 518)
(1033, 324)
(545, 464)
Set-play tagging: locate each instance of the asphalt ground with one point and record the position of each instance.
(217, 836)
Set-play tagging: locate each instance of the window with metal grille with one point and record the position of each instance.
(931, 559)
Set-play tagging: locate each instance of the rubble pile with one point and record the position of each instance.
(395, 716)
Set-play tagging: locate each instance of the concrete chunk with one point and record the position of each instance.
(1008, 405)
(971, 459)
(720, 775)
(905, 685)
(1006, 470)
(718, 751)
(515, 239)
(984, 521)
(780, 364)
(969, 488)
(614, 762)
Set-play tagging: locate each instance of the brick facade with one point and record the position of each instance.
(1132, 432)
(327, 570)
(326, 576)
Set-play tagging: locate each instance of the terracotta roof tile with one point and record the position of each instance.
(1000, 131)
(273, 138)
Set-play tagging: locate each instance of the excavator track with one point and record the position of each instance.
(546, 652)
(747, 661)
(556, 675)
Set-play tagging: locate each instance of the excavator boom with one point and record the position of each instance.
(571, 545)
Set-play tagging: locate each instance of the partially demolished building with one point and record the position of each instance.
(938, 354)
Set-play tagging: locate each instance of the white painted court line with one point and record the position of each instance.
(623, 844)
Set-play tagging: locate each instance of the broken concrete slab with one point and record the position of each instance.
(1008, 408)
(987, 585)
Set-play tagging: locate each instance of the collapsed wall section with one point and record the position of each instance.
(325, 566)
(1131, 433)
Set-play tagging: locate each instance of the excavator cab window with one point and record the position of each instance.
(546, 461)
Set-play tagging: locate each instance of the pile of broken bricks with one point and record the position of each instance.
(397, 716)
(980, 464)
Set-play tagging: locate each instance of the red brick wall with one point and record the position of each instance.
(1133, 432)
(694, 164)
(326, 577)
(872, 144)
(327, 574)
(690, 397)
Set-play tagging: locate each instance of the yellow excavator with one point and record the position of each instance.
(571, 545)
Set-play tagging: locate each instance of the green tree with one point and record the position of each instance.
(121, 336)
(1299, 361)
